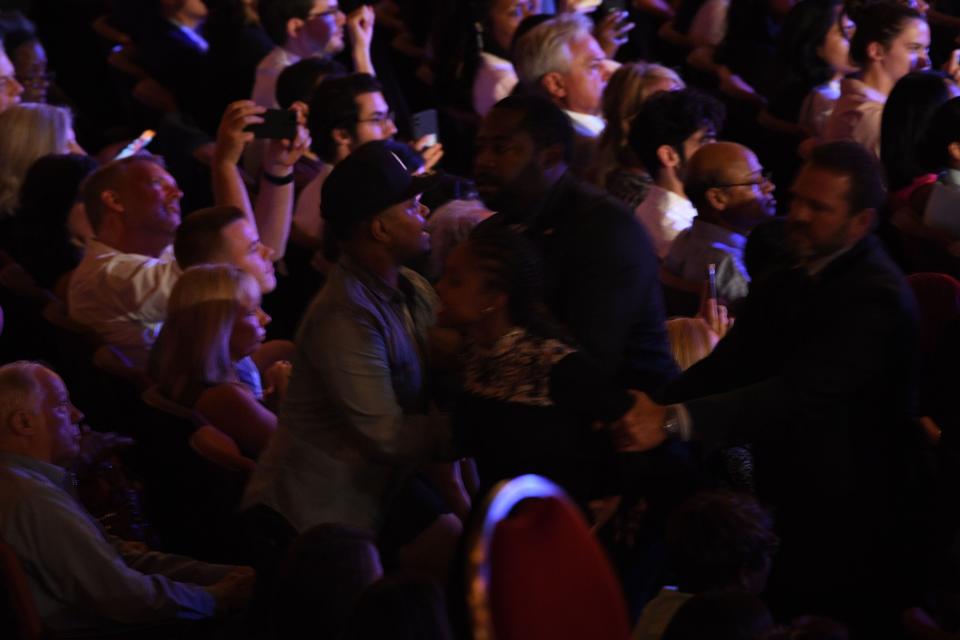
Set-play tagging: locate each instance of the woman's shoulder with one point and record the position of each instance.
(223, 398)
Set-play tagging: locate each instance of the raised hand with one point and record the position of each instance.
(231, 137)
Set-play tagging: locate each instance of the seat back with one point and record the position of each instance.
(534, 571)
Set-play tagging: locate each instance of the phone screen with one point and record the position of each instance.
(137, 145)
(424, 123)
(278, 124)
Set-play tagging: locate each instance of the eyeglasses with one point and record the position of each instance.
(329, 13)
(765, 178)
(379, 120)
(37, 80)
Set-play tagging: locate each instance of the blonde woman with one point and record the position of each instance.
(27, 133)
(214, 323)
(617, 168)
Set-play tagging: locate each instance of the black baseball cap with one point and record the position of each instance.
(377, 175)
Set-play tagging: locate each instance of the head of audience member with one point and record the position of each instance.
(347, 112)
(10, 88)
(941, 145)
(493, 283)
(321, 578)
(133, 204)
(372, 210)
(299, 81)
(190, 13)
(27, 54)
(720, 615)
(691, 340)
(500, 21)
(524, 145)
(813, 44)
(728, 187)
(669, 129)
(721, 541)
(52, 225)
(402, 607)
(903, 127)
(27, 133)
(627, 90)
(214, 320)
(225, 235)
(305, 27)
(835, 200)
(561, 59)
(890, 41)
(449, 225)
(37, 419)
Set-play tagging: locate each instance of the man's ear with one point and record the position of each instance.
(378, 229)
(111, 200)
(294, 27)
(341, 136)
(953, 149)
(20, 423)
(551, 156)
(555, 86)
(862, 223)
(716, 198)
(668, 156)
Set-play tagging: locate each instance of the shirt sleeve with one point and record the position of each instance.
(143, 285)
(77, 565)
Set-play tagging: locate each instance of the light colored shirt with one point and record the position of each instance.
(269, 69)
(817, 107)
(353, 421)
(664, 214)
(857, 115)
(709, 23)
(495, 80)
(703, 244)
(122, 297)
(78, 575)
(586, 125)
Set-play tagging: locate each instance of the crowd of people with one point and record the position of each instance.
(288, 288)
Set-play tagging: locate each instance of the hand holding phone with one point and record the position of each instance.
(424, 124)
(278, 124)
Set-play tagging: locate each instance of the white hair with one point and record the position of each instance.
(546, 47)
(19, 387)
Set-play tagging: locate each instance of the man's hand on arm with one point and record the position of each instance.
(640, 428)
(228, 185)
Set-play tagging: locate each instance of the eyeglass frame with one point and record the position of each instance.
(380, 120)
(766, 177)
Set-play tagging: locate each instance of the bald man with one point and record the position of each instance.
(732, 195)
(81, 577)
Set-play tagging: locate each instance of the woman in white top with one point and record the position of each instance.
(495, 77)
(890, 41)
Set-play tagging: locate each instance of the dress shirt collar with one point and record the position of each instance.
(587, 125)
(53, 473)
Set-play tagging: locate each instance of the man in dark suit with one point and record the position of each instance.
(818, 373)
(600, 268)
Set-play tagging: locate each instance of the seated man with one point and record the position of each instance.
(79, 576)
(668, 130)
(732, 195)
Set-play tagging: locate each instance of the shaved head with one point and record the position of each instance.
(726, 183)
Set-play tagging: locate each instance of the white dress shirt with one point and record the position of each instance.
(664, 214)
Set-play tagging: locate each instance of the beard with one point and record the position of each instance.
(806, 248)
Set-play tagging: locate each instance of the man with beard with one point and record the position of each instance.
(818, 374)
(600, 270)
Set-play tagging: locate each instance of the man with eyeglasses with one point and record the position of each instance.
(732, 195)
(10, 89)
(670, 127)
(309, 28)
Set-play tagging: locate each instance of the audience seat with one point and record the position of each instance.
(534, 570)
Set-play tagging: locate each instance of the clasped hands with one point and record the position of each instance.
(641, 427)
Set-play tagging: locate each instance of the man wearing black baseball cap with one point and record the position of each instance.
(355, 412)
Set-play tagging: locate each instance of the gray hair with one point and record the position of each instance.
(546, 47)
(19, 384)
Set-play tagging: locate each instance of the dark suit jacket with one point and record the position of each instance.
(602, 281)
(819, 374)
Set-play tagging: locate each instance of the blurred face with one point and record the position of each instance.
(57, 421)
(249, 328)
(507, 168)
(404, 223)
(195, 9)
(30, 62)
(150, 199)
(463, 290)
(323, 28)
(10, 88)
(504, 18)
(820, 221)
(244, 250)
(374, 119)
(835, 48)
(908, 51)
(750, 196)
(583, 84)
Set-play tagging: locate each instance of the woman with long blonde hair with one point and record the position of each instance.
(214, 321)
(27, 133)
